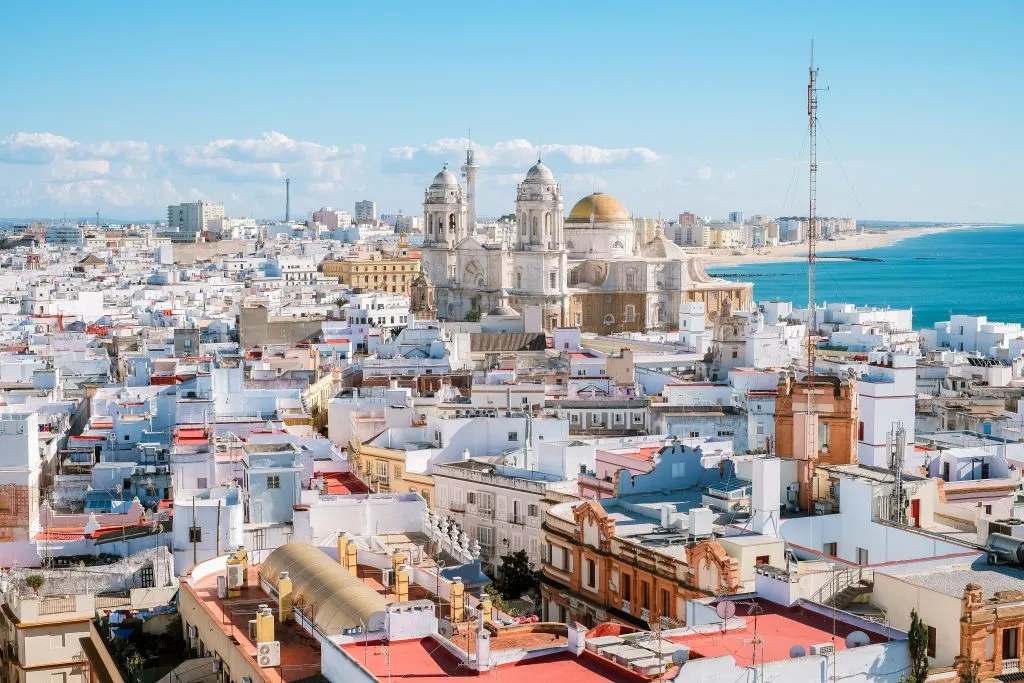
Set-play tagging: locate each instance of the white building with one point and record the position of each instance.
(194, 217)
(207, 523)
(972, 334)
(500, 507)
(294, 268)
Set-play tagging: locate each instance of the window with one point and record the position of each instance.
(513, 436)
(201, 483)
(485, 537)
(380, 468)
(552, 277)
(591, 574)
(823, 436)
(931, 641)
(988, 509)
(146, 577)
(735, 353)
(532, 510)
(694, 435)
(58, 678)
(398, 471)
(761, 559)
(629, 315)
(574, 277)
(627, 587)
(56, 641)
(862, 556)
(666, 603)
(471, 497)
(519, 279)
(645, 595)
(860, 431)
(830, 549)
(1009, 643)
(274, 481)
(630, 279)
(195, 534)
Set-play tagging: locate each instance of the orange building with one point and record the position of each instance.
(835, 404)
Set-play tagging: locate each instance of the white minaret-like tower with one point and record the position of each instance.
(469, 170)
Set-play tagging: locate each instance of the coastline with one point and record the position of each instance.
(798, 252)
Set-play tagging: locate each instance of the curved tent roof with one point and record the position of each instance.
(335, 599)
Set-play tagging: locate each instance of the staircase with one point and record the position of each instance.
(848, 595)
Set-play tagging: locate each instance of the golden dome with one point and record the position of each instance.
(604, 208)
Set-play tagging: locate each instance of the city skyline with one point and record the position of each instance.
(705, 118)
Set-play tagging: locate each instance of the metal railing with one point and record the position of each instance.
(57, 605)
(841, 580)
(516, 519)
(457, 507)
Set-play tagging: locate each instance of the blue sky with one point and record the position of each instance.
(671, 106)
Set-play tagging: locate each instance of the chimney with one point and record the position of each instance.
(765, 498)
(458, 600)
(264, 624)
(402, 584)
(284, 597)
(342, 545)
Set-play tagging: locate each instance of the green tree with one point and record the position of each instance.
(917, 638)
(517, 575)
(35, 582)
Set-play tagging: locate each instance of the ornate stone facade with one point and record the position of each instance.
(991, 631)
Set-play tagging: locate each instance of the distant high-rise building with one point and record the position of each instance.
(687, 219)
(331, 219)
(736, 217)
(194, 217)
(366, 211)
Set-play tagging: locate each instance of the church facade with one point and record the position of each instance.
(590, 269)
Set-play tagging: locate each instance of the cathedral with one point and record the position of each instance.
(590, 269)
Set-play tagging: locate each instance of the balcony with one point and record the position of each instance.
(626, 606)
(645, 614)
(485, 512)
(457, 507)
(1011, 666)
(516, 519)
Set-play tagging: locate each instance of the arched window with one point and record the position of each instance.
(519, 279)
(630, 314)
(547, 223)
(609, 319)
(451, 222)
(522, 223)
(570, 245)
(536, 227)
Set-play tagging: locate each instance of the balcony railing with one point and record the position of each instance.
(486, 512)
(516, 519)
(645, 614)
(1011, 666)
(57, 605)
(457, 507)
(625, 606)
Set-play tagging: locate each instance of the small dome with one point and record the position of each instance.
(539, 172)
(504, 310)
(445, 179)
(603, 208)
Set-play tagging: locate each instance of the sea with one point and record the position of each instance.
(974, 271)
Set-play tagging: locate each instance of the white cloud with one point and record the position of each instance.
(704, 173)
(34, 148)
(514, 155)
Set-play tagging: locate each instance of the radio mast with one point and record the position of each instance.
(812, 238)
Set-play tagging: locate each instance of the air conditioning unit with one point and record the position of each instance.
(822, 508)
(268, 654)
(385, 576)
(823, 649)
(236, 575)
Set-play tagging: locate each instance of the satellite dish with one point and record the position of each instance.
(857, 639)
(681, 656)
(797, 651)
(725, 610)
(444, 627)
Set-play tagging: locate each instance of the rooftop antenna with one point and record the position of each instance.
(287, 199)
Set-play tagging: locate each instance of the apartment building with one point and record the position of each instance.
(500, 507)
(195, 218)
(375, 271)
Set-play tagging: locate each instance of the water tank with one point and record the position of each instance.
(1003, 548)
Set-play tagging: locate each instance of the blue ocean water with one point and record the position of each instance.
(977, 271)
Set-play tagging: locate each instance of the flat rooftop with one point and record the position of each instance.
(427, 661)
(777, 629)
(950, 580)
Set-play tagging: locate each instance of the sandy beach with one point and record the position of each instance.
(798, 252)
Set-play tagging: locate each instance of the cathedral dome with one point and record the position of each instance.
(599, 207)
(445, 179)
(539, 172)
